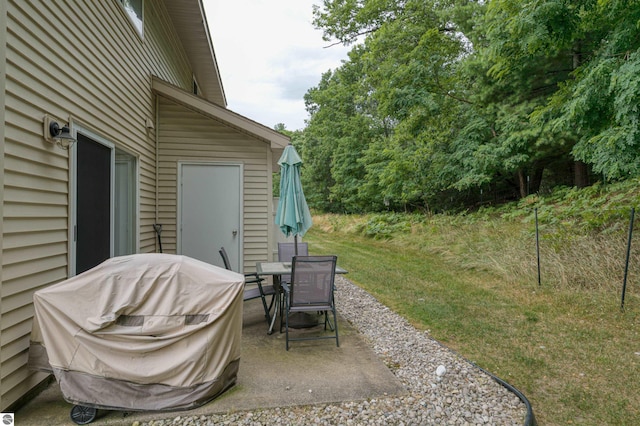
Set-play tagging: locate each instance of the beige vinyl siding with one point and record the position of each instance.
(97, 74)
(185, 135)
(3, 42)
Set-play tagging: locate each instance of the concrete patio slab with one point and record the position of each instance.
(311, 372)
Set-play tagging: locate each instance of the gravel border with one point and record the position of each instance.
(443, 387)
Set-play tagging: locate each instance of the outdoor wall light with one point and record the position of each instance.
(61, 136)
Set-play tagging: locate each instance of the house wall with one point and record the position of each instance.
(3, 42)
(94, 71)
(186, 135)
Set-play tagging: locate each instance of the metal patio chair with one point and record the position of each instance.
(286, 251)
(252, 291)
(311, 290)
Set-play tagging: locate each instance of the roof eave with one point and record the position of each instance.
(190, 22)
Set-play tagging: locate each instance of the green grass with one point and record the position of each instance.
(472, 281)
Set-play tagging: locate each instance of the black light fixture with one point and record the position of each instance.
(61, 136)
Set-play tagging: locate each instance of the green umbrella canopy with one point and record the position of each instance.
(293, 216)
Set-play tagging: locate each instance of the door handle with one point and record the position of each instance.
(234, 232)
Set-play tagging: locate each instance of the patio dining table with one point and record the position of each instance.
(277, 269)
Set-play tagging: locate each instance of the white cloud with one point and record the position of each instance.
(269, 55)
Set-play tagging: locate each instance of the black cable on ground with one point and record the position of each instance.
(530, 418)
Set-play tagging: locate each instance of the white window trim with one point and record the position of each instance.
(134, 24)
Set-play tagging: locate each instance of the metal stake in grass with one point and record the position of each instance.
(537, 244)
(626, 265)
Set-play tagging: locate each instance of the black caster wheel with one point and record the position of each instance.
(82, 415)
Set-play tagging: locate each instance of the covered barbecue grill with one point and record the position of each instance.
(141, 332)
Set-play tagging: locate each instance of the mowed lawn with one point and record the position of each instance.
(574, 354)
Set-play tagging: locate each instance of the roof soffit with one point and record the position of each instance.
(190, 23)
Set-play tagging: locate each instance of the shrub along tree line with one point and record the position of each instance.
(446, 104)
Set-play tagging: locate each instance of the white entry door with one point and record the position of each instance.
(210, 212)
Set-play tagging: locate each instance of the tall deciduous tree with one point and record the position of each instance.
(442, 99)
(338, 132)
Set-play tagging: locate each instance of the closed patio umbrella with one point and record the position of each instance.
(293, 216)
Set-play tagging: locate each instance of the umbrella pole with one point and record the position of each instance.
(295, 244)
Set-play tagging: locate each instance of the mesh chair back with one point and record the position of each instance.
(286, 251)
(312, 282)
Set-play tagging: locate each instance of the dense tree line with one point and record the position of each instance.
(451, 103)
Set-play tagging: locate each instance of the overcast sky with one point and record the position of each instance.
(269, 55)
